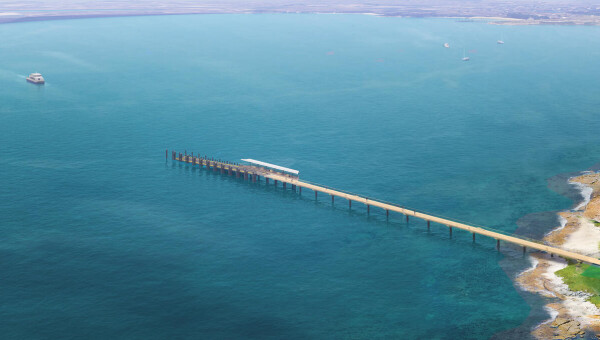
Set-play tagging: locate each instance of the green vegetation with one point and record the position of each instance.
(596, 223)
(591, 271)
(595, 300)
(584, 277)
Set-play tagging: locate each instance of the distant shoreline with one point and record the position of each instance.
(25, 19)
(12, 17)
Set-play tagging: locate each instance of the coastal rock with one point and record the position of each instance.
(558, 236)
(572, 314)
(592, 210)
(559, 321)
(592, 180)
(568, 330)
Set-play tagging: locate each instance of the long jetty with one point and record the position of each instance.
(253, 173)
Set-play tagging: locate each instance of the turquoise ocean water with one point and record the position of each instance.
(103, 238)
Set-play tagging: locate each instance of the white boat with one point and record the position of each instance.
(446, 45)
(36, 78)
(465, 58)
(500, 42)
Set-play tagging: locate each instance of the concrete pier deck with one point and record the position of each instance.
(255, 172)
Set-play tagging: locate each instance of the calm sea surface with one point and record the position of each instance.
(100, 237)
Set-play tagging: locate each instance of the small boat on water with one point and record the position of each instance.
(500, 41)
(36, 78)
(446, 45)
(465, 58)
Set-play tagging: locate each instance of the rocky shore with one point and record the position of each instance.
(573, 315)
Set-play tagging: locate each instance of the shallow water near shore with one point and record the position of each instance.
(102, 237)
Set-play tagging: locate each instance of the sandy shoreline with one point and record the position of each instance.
(571, 314)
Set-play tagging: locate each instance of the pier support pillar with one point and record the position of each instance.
(428, 224)
(368, 209)
(315, 195)
(173, 155)
(300, 189)
(498, 244)
(254, 178)
(267, 180)
(245, 176)
(284, 185)
(387, 213)
(237, 174)
(275, 182)
(450, 228)
(349, 204)
(293, 188)
(332, 199)
(473, 237)
(166, 154)
(524, 249)
(229, 171)
(406, 218)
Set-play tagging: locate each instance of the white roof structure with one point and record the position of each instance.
(253, 161)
